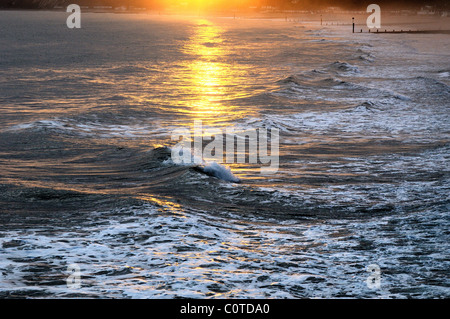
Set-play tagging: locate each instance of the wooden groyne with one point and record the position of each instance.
(409, 31)
(379, 31)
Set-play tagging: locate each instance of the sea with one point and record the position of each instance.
(93, 206)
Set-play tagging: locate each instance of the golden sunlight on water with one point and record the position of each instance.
(210, 77)
(212, 81)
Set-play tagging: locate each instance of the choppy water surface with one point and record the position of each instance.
(86, 175)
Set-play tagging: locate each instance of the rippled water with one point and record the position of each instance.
(86, 176)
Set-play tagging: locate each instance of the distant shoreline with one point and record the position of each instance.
(393, 22)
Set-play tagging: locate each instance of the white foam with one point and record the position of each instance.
(55, 124)
(146, 253)
(91, 128)
(367, 119)
(220, 172)
(211, 168)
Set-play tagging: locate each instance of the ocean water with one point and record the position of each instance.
(86, 176)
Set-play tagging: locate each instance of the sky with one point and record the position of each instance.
(351, 4)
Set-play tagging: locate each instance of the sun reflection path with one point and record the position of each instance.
(210, 79)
